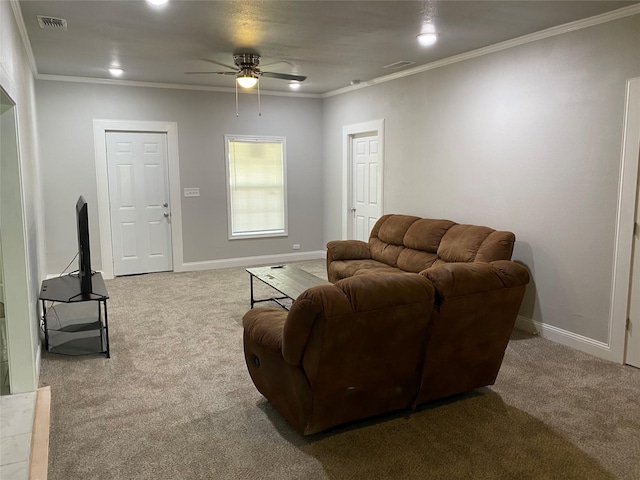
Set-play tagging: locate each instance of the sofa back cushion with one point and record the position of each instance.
(387, 237)
(497, 246)
(472, 243)
(363, 335)
(361, 344)
(425, 234)
(414, 244)
(421, 243)
(461, 243)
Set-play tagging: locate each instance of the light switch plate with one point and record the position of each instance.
(192, 192)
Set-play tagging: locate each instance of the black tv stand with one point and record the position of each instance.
(77, 323)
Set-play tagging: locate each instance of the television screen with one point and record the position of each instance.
(84, 255)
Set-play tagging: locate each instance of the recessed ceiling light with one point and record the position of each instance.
(158, 3)
(428, 35)
(294, 85)
(427, 39)
(116, 71)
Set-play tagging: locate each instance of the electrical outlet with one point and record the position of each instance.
(192, 192)
(296, 246)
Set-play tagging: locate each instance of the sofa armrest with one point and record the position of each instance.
(347, 250)
(468, 278)
(265, 327)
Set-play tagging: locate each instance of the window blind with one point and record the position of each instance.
(257, 190)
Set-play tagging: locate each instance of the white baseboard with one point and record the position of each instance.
(38, 359)
(564, 337)
(56, 275)
(238, 262)
(250, 261)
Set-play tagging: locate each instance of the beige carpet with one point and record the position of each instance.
(175, 402)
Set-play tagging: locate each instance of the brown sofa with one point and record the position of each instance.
(383, 339)
(403, 243)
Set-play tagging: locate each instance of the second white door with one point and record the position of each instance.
(139, 202)
(633, 327)
(366, 190)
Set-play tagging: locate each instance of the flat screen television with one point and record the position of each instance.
(84, 254)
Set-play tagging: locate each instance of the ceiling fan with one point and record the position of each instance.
(247, 70)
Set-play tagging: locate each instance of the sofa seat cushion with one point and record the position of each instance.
(348, 268)
(379, 269)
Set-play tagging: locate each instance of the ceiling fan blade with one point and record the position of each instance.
(210, 73)
(218, 63)
(279, 62)
(284, 76)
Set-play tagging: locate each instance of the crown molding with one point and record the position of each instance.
(172, 86)
(22, 28)
(515, 42)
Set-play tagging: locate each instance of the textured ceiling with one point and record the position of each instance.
(331, 42)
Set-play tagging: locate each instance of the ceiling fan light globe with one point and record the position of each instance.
(247, 81)
(294, 85)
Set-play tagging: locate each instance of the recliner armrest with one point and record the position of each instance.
(265, 327)
(462, 278)
(347, 250)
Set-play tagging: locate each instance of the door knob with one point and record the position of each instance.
(166, 214)
(165, 204)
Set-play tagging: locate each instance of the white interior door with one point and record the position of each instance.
(139, 202)
(633, 330)
(366, 190)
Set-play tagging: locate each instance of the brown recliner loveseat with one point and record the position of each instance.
(479, 291)
(334, 357)
(343, 352)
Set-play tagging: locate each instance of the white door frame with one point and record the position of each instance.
(628, 187)
(375, 127)
(23, 350)
(100, 129)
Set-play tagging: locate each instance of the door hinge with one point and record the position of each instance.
(628, 324)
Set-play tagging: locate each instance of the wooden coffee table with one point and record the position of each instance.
(288, 280)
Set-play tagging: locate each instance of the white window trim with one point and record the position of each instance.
(263, 139)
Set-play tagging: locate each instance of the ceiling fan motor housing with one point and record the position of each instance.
(246, 60)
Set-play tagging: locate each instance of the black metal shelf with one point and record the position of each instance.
(77, 324)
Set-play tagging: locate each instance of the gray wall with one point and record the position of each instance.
(66, 112)
(526, 139)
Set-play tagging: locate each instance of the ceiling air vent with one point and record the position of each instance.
(397, 65)
(52, 23)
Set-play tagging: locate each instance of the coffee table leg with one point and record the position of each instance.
(251, 285)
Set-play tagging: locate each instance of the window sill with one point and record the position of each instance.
(243, 236)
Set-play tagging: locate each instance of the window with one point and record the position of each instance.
(257, 195)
